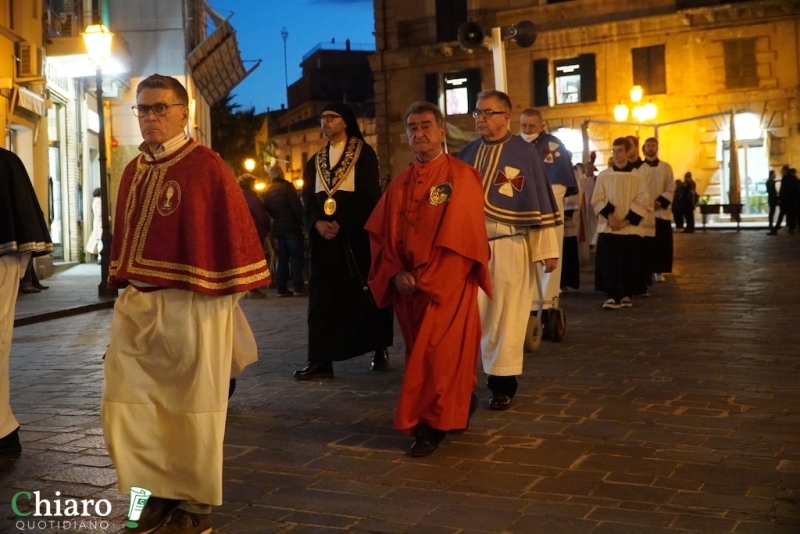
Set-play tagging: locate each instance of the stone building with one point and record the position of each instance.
(331, 72)
(693, 58)
(22, 94)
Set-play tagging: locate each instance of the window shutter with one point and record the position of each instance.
(541, 80)
(473, 87)
(588, 78)
(432, 88)
(740, 63)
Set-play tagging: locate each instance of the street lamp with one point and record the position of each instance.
(285, 36)
(97, 40)
(249, 164)
(641, 112)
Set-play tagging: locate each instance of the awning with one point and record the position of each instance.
(216, 64)
(31, 101)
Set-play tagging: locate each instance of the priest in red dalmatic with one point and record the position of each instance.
(185, 248)
(429, 257)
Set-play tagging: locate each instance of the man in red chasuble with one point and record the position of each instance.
(429, 257)
(185, 249)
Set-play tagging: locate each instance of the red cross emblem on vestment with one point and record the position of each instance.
(516, 182)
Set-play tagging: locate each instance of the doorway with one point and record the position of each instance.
(753, 171)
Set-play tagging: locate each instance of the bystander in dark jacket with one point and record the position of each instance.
(684, 202)
(283, 204)
(789, 200)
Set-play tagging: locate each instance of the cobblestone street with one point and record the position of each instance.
(679, 415)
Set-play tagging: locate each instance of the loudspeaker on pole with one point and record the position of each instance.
(471, 35)
(524, 33)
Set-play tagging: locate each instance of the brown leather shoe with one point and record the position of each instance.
(155, 514)
(183, 522)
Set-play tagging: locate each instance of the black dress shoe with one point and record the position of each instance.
(499, 402)
(313, 371)
(421, 447)
(9, 445)
(38, 285)
(380, 360)
(28, 288)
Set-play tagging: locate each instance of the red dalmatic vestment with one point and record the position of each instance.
(430, 222)
(182, 222)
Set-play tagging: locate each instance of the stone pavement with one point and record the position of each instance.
(679, 415)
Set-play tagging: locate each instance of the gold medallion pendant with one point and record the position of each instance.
(329, 207)
(440, 193)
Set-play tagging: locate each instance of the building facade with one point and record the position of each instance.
(331, 73)
(697, 61)
(22, 89)
(186, 39)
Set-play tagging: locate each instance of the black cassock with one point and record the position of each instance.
(343, 320)
(22, 223)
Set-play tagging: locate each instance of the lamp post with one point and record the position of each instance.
(285, 36)
(641, 112)
(98, 39)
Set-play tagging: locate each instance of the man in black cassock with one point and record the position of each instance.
(23, 234)
(340, 190)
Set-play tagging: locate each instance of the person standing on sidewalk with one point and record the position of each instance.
(23, 234)
(520, 217)
(340, 190)
(789, 199)
(185, 249)
(430, 255)
(260, 217)
(283, 205)
(772, 198)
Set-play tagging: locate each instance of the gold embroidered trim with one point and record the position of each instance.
(341, 169)
(131, 253)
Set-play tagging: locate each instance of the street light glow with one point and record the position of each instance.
(97, 39)
(249, 164)
(621, 112)
(637, 92)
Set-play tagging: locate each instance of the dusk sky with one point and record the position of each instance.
(258, 26)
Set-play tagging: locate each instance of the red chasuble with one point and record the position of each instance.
(182, 222)
(430, 222)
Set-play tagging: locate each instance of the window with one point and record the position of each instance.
(740, 63)
(575, 79)
(649, 69)
(450, 15)
(460, 90)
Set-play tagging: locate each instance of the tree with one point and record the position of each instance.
(233, 132)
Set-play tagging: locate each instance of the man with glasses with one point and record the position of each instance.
(186, 250)
(340, 190)
(429, 257)
(521, 216)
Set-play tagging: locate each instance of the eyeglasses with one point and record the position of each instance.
(328, 118)
(488, 113)
(159, 109)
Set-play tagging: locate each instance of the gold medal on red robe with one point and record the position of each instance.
(329, 207)
(440, 193)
